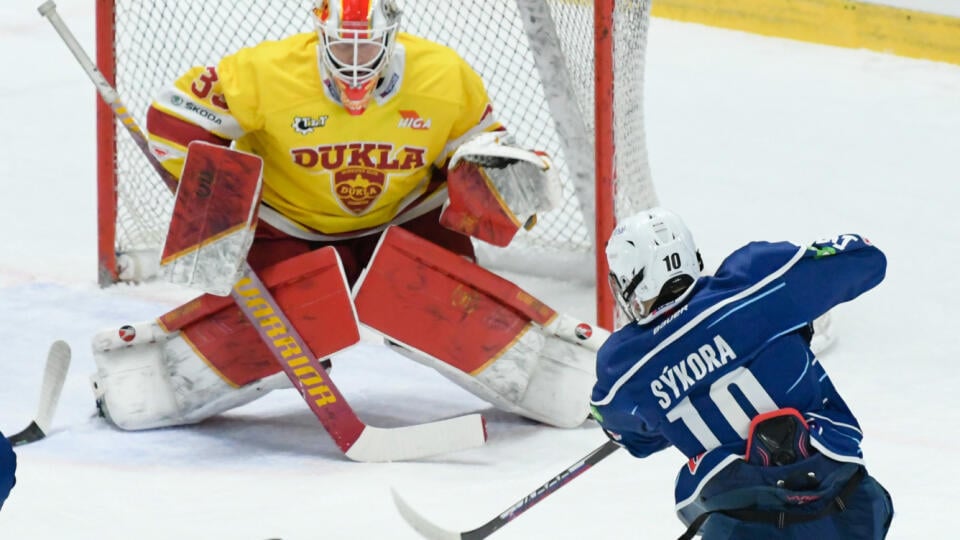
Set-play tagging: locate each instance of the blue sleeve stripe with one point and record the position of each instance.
(785, 332)
(806, 368)
(834, 422)
(747, 303)
(694, 322)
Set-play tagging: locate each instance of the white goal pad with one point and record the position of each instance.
(148, 378)
(541, 377)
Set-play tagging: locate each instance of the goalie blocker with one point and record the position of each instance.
(479, 330)
(214, 218)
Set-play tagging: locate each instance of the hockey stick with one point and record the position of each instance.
(433, 532)
(357, 440)
(54, 374)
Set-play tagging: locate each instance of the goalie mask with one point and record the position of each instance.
(357, 39)
(653, 263)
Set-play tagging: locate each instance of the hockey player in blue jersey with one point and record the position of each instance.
(8, 469)
(720, 367)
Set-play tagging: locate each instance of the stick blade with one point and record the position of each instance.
(419, 523)
(31, 433)
(54, 375)
(419, 441)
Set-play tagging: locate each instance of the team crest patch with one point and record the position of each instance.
(358, 188)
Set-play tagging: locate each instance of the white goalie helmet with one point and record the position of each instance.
(357, 38)
(653, 263)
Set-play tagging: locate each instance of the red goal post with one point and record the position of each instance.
(565, 76)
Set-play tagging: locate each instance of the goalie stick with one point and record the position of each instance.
(433, 532)
(54, 374)
(357, 440)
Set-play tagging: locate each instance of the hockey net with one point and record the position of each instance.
(536, 58)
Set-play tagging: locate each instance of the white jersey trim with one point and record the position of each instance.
(453, 145)
(181, 105)
(845, 458)
(851, 427)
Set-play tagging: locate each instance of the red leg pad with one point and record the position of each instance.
(312, 291)
(434, 301)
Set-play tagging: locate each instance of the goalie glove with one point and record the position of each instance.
(495, 188)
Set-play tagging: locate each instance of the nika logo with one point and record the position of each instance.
(412, 120)
(305, 125)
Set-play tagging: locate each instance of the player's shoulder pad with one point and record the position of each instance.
(756, 260)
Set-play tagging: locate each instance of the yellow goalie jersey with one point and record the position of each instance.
(328, 174)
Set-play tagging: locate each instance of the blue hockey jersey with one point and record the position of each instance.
(8, 469)
(694, 377)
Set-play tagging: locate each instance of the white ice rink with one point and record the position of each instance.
(749, 138)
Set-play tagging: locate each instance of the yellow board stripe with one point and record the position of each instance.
(841, 23)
